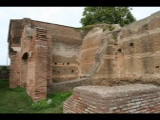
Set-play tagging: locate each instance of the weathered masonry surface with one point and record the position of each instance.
(134, 98)
(48, 58)
(41, 54)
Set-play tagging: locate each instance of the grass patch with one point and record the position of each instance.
(16, 100)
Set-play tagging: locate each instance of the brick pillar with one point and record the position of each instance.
(50, 67)
(25, 49)
(41, 50)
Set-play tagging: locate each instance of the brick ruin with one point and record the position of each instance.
(48, 57)
(118, 99)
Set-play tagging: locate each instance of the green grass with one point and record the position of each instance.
(15, 100)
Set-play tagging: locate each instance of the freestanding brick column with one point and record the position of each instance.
(133, 98)
(37, 65)
(41, 49)
(34, 62)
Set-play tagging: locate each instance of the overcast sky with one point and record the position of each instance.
(69, 16)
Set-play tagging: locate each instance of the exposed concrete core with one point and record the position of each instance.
(48, 57)
(117, 99)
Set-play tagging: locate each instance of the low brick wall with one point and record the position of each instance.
(134, 98)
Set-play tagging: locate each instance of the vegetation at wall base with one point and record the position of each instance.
(16, 100)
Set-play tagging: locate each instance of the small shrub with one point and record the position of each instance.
(111, 27)
(104, 29)
(42, 104)
(114, 36)
(59, 97)
(87, 28)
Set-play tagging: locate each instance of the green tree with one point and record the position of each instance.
(108, 15)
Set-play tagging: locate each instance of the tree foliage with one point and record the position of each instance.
(108, 15)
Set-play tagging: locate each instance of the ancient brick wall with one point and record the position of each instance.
(91, 44)
(139, 58)
(122, 55)
(117, 99)
(34, 60)
(25, 50)
(41, 55)
(97, 60)
(46, 56)
(14, 40)
(64, 44)
(15, 33)
(14, 78)
(106, 55)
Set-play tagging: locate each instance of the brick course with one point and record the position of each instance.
(117, 99)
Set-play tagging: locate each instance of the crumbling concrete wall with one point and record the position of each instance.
(139, 58)
(122, 55)
(117, 99)
(97, 59)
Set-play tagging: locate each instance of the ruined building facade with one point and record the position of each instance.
(48, 57)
